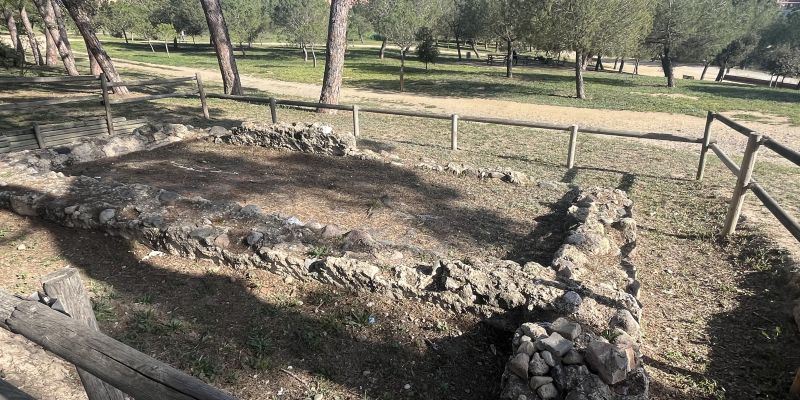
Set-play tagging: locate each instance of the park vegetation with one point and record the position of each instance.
(715, 33)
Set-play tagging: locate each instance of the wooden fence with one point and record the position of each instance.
(108, 369)
(40, 136)
(744, 173)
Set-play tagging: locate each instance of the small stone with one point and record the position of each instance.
(567, 328)
(222, 241)
(519, 365)
(107, 215)
(407, 386)
(573, 357)
(167, 197)
(548, 358)
(527, 348)
(254, 237)
(318, 396)
(366, 373)
(538, 381)
(534, 331)
(331, 232)
(608, 361)
(358, 239)
(315, 226)
(555, 344)
(624, 320)
(547, 391)
(250, 211)
(571, 302)
(22, 247)
(537, 366)
(70, 210)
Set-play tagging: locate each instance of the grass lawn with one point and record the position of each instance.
(538, 84)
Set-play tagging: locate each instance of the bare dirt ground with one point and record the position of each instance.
(248, 332)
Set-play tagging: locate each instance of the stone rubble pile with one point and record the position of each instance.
(503, 174)
(562, 360)
(307, 138)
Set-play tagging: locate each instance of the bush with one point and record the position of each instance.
(426, 49)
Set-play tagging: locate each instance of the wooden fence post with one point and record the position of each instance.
(107, 104)
(66, 286)
(454, 132)
(701, 169)
(356, 126)
(37, 133)
(742, 183)
(573, 141)
(202, 92)
(273, 109)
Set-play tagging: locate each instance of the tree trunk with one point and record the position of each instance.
(34, 42)
(458, 48)
(616, 61)
(94, 66)
(314, 56)
(721, 73)
(621, 64)
(636, 67)
(166, 47)
(509, 60)
(798, 85)
(125, 35)
(55, 25)
(383, 49)
(51, 53)
(12, 27)
(496, 46)
(475, 49)
(599, 65)
(222, 44)
(305, 54)
(334, 57)
(402, 69)
(666, 64)
(705, 69)
(580, 92)
(82, 17)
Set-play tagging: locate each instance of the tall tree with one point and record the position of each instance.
(58, 33)
(32, 40)
(11, 24)
(680, 27)
(503, 18)
(81, 12)
(303, 22)
(247, 20)
(334, 57)
(187, 17)
(222, 43)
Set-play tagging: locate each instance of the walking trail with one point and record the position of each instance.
(683, 125)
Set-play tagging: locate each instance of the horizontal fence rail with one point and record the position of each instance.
(49, 79)
(48, 102)
(743, 173)
(151, 82)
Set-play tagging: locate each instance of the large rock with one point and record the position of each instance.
(610, 362)
(555, 344)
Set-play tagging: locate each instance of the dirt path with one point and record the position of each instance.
(684, 125)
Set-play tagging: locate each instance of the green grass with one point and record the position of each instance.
(538, 84)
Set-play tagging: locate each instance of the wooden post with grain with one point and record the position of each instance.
(273, 110)
(356, 125)
(701, 168)
(454, 132)
(202, 92)
(37, 133)
(742, 184)
(66, 286)
(107, 103)
(573, 142)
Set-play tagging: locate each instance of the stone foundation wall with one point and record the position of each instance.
(308, 138)
(581, 283)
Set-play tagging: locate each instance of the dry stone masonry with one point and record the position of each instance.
(590, 352)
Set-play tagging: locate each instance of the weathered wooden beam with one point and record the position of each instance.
(742, 182)
(201, 90)
(49, 102)
(454, 132)
(152, 82)
(48, 79)
(149, 98)
(573, 142)
(701, 168)
(129, 370)
(66, 286)
(10, 392)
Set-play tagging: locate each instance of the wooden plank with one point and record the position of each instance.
(573, 142)
(149, 98)
(49, 102)
(10, 392)
(356, 122)
(202, 92)
(22, 142)
(77, 135)
(129, 370)
(789, 222)
(94, 127)
(73, 124)
(701, 168)
(21, 132)
(8, 303)
(66, 286)
(151, 82)
(454, 132)
(48, 79)
(733, 124)
(38, 135)
(784, 151)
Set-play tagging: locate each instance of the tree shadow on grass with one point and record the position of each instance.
(224, 328)
(746, 92)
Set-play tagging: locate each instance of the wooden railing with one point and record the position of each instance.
(108, 369)
(744, 173)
